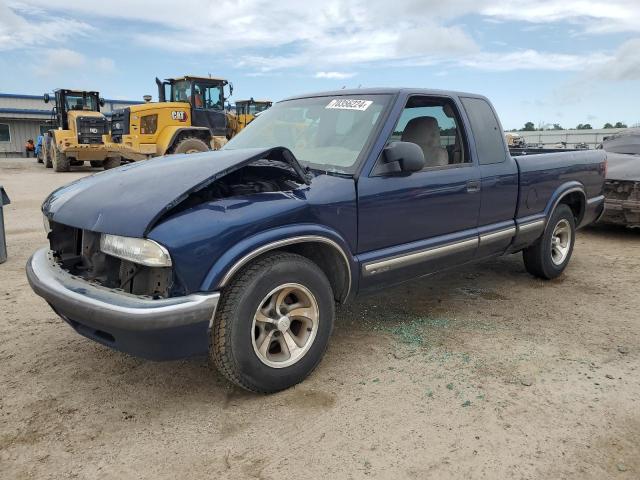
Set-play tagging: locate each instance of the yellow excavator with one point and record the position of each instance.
(77, 133)
(246, 110)
(189, 117)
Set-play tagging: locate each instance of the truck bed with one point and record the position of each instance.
(542, 174)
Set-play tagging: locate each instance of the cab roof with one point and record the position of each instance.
(384, 91)
(196, 77)
(76, 90)
(254, 101)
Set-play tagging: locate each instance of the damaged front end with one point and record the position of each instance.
(622, 186)
(77, 251)
(80, 214)
(622, 203)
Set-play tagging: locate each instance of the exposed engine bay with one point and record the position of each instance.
(261, 176)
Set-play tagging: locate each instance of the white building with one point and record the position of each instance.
(24, 117)
(551, 138)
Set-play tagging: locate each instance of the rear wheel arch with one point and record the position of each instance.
(575, 198)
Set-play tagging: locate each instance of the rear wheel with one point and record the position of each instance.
(61, 162)
(550, 255)
(190, 145)
(273, 323)
(111, 162)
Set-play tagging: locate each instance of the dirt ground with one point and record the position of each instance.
(482, 372)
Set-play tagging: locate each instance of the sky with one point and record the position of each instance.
(544, 61)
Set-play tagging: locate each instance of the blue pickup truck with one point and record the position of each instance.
(243, 253)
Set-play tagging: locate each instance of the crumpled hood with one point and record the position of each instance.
(129, 200)
(623, 167)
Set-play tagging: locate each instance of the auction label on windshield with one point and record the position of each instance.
(349, 104)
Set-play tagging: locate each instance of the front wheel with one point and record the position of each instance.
(61, 162)
(111, 162)
(550, 255)
(273, 323)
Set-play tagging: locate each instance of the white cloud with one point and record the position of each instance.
(53, 61)
(105, 65)
(533, 60)
(336, 75)
(624, 65)
(327, 35)
(18, 32)
(69, 62)
(595, 16)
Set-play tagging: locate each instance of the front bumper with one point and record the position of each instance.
(621, 212)
(161, 329)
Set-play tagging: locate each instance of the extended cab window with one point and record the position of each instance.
(434, 125)
(487, 133)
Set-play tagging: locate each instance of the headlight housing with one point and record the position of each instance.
(136, 250)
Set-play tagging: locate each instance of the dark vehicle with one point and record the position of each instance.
(242, 253)
(622, 188)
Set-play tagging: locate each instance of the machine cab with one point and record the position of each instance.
(205, 95)
(247, 110)
(72, 101)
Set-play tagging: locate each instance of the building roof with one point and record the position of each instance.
(39, 97)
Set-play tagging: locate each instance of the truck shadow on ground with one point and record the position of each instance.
(397, 312)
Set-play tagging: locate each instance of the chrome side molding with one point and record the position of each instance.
(413, 258)
(532, 226)
(497, 236)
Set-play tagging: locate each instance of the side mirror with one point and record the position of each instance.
(46, 98)
(409, 156)
(101, 101)
(230, 88)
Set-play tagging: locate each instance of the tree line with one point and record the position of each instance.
(530, 127)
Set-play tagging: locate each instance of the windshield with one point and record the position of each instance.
(323, 132)
(258, 107)
(78, 101)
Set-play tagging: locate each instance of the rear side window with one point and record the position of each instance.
(486, 130)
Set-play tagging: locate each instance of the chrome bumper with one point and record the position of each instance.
(121, 320)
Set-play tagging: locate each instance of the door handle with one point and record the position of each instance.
(473, 186)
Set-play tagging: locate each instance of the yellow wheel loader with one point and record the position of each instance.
(77, 132)
(189, 117)
(246, 111)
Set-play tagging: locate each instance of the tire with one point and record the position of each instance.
(237, 336)
(190, 145)
(60, 161)
(48, 160)
(96, 163)
(550, 255)
(109, 163)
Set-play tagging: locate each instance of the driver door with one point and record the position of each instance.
(412, 224)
